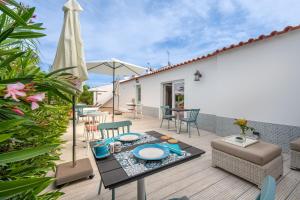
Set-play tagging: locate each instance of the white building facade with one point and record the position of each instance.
(257, 80)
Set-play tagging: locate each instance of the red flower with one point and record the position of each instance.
(18, 111)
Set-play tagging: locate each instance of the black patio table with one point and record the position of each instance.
(113, 175)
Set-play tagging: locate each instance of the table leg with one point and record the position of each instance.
(178, 123)
(141, 193)
(113, 194)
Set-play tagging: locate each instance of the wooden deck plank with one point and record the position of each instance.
(295, 194)
(287, 185)
(228, 188)
(196, 178)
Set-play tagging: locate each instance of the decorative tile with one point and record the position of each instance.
(133, 166)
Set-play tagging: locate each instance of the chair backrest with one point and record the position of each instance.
(268, 189)
(79, 110)
(164, 110)
(107, 128)
(193, 114)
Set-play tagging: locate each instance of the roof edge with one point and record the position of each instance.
(218, 51)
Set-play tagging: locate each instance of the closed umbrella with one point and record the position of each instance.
(70, 54)
(115, 68)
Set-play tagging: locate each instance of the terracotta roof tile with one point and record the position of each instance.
(221, 50)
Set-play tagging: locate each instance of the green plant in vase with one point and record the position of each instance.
(242, 123)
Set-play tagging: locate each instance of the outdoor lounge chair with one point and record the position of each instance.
(192, 116)
(295, 154)
(165, 110)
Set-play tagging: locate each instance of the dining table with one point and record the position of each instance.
(177, 114)
(115, 172)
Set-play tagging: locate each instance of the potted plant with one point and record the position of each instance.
(242, 123)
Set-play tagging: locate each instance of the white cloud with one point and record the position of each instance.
(142, 31)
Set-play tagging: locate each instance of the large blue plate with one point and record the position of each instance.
(137, 134)
(136, 151)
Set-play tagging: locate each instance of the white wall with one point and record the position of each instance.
(103, 97)
(258, 81)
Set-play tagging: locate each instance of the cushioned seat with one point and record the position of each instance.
(259, 153)
(295, 145)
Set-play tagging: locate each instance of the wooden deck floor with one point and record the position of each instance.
(195, 179)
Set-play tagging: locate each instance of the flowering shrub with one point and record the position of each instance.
(34, 108)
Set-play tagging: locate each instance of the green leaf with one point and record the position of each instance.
(25, 154)
(9, 189)
(14, 3)
(11, 13)
(14, 80)
(61, 95)
(9, 124)
(6, 33)
(28, 14)
(8, 52)
(3, 20)
(4, 137)
(58, 71)
(10, 59)
(26, 35)
(31, 26)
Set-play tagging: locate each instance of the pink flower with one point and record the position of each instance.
(18, 111)
(15, 90)
(34, 99)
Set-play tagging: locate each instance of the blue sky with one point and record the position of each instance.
(142, 31)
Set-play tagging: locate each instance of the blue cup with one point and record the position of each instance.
(101, 150)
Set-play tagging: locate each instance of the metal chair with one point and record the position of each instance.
(191, 118)
(268, 189)
(165, 110)
(79, 112)
(106, 129)
(91, 122)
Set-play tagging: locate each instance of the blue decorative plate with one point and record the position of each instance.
(151, 152)
(128, 137)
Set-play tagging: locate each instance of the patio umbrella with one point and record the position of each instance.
(115, 68)
(70, 54)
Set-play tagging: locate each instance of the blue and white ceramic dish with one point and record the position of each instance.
(151, 152)
(101, 151)
(128, 137)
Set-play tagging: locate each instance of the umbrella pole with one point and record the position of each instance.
(113, 111)
(73, 170)
(74, 130)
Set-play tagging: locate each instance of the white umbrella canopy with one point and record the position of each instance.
(70, 54)
(70, 47)
(106, 67)
(115, 68)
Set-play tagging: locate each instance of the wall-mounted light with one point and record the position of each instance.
(197, 75)
(137, 80)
